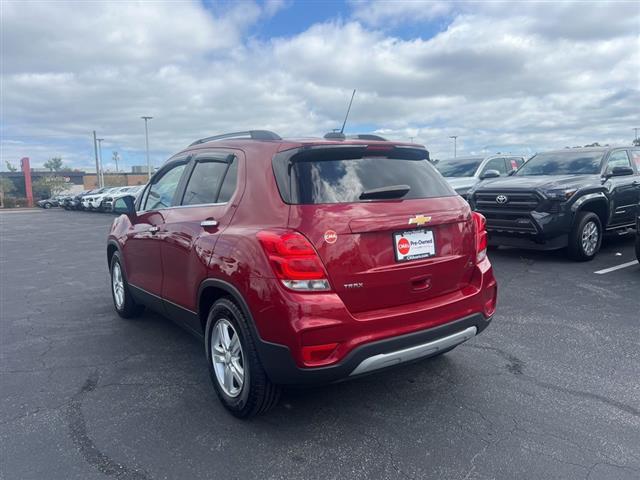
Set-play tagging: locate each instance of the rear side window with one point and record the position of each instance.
(212, 181)
(344, 180)
(515, 162)
(229, 183)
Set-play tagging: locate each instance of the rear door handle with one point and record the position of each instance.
(154, 229)
(210, 222)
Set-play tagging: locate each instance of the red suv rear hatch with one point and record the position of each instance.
(388, 228)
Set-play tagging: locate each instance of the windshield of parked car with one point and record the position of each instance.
(459, 167)
(562, 163)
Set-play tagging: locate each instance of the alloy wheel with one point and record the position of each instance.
(590, 238)
(118, 285)
(227, 357)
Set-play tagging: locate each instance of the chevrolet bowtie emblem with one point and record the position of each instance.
(419, 220)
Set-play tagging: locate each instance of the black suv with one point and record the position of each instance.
(638, 235)
(565, 198)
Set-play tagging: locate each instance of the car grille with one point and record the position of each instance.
(526, 201)
(512, 216)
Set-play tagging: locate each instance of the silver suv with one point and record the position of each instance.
(462, 173)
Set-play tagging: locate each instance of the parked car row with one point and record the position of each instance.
(560, 199)
(315, 260)
(99, 199)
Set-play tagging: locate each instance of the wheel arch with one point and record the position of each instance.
(596, 203)
(112, 247)
(211, 290)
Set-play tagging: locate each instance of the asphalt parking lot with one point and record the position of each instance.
(550, 390)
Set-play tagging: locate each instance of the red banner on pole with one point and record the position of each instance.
(26, 170)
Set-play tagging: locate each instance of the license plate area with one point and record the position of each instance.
(414, 245)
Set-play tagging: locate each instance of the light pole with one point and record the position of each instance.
(95, 147)
(100, 140)
(146, 134)
(455, 145)
(116, 157)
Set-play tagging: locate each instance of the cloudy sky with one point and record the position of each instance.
(516, 77)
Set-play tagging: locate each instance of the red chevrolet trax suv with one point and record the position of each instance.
(303, 261)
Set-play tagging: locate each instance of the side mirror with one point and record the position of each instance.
(490, 174)
(621, 172)
(125, 205)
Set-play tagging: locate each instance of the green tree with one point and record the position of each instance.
(11, 167)
(6, 187)
(54, 165)
(47, 187)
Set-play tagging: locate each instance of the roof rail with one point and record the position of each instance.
(252, 134)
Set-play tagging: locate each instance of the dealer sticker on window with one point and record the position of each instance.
(414, 244)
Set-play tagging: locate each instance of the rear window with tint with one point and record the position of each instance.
(344, 180)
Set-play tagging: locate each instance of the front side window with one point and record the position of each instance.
(162, 191)
(635, 155)
(459, 166)
(618, 159)
(562, 163)
(496, 164)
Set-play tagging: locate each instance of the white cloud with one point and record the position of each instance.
(500, 77)
(385, 13)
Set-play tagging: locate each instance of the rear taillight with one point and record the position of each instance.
(480, 227)
(294, 261)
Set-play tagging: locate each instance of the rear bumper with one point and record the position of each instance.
(371, 357)
(288, 322)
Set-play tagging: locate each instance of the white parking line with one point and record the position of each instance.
(613, 269)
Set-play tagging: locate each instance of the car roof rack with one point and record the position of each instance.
(252, 134)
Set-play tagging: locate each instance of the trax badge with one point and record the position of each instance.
(419, 220)
(330, 236)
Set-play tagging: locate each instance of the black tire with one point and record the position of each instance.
(128, 308)
(638, 245)
(576, 247)
(257, 394)
(46, 206)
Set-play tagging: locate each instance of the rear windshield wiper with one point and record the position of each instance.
(392, 191)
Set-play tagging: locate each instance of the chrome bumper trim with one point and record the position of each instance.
(384, 360)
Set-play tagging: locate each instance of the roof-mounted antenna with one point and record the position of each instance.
(340, 135)
(348, 110)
